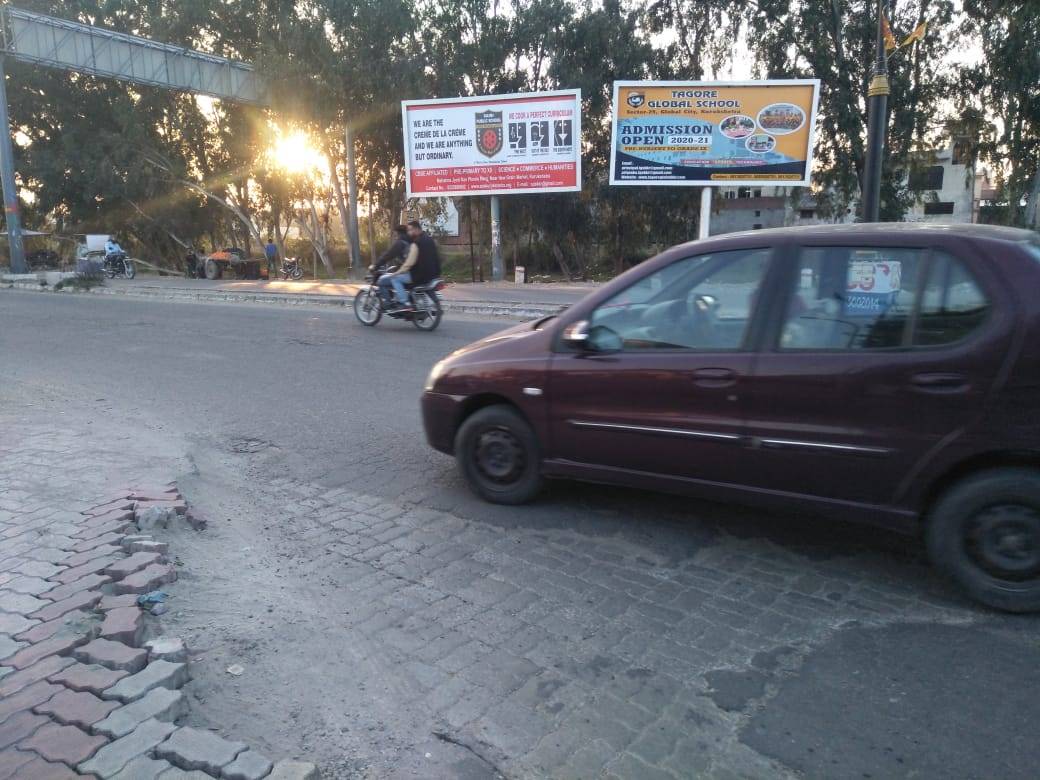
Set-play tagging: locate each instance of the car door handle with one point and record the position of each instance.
(714, 377)
(940, 382)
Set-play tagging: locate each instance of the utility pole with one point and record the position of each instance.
(877, 106)
(14, 224)
(704, 223)
(498, 272)
(352, 195)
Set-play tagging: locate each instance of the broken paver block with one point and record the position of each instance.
(293, 770)
(134, 563)
(74, 708)
(87, 677)
(167, 649)
(115, 602)
(67, 744)
(158, 674)
(196, 520)
(159, 703)
(148, 545)
(142, 768)
(124, 624)
(166, 492)
(113, 655)
(148, 579)
(152, 517)
(249, 765)
(190, 748)
(126, 541)
(114, 756)
(176, 504)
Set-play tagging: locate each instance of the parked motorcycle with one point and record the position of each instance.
(425, 312)
(118, 264)
(291, 269)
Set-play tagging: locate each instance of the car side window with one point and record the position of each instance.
(952, 305)
(698, 303)
(852, 298)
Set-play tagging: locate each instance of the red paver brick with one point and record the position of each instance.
(85, 599)
(68, 744)
(41, 769)
(125, 624)
(112, 655)
(89, 678)
(73, 621)
(91, 567)
(108, 506)
(93, 554)
(145, 580)
(93, 521)
(116, 602)
(131, 564)
(11, 761)
(76, 708)
(90, 582)
(58, 645)
(102, 529)
(44, 669)
(27, 698)
(19, 726)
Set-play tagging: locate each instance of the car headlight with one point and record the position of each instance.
(435, 373)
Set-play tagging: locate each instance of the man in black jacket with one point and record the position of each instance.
(394, 255)
(421, 266)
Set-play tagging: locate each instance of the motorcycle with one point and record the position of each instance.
(425, 312)
(118, 264)
(291, 269)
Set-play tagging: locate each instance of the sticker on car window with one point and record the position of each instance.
(872, 286)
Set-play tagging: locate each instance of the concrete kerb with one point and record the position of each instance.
(515, 310)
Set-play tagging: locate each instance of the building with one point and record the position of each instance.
(756, 208)
(950, 187)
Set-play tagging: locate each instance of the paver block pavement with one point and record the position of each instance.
(94, 566)
(124, 624)
(132, 563)
(15, 624)
(190, 748)
(249, 765)
(41, 569)
(83, 600)
(20, 603)
(42, 769)
(142, 768)
(115, 602)
(76, 708)
(176, 773)
(167, 649)
(293, 770)
(112, 655)
(149, 578)
(9, 647)
(20, 726)
(148, 546)
(114, 756)
(89, 582)
(79, 622)
(30, 586)
(158, 674)
(26, 677)
(11, 761)
(107, 540)
(67, 744)
(88, 677)
(56, 645)
(162, 704)
(28, 697)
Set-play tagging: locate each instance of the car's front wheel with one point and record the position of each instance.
(985, 533)
(498, 454)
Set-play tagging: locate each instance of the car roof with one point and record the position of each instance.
(865, 231)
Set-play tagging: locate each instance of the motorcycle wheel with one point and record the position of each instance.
(428, 313)
(110, 271)
(129, 269)
(367, 308)
(297, 273)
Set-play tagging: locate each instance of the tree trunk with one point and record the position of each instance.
(341, 203)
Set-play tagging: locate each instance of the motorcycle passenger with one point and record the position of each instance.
(394, 255)
(421, 266)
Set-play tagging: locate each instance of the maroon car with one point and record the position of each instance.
(885, 374)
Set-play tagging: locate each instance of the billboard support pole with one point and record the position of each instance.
(14, 225)
(497, 271)
(704, 223)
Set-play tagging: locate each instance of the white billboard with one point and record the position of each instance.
(493, 145)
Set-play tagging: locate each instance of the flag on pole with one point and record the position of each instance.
(886, 32)
(916, 35)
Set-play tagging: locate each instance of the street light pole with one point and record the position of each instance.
(877, 107)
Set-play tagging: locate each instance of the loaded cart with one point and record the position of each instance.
(232, 261)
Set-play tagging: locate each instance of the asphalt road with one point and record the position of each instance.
(671, 638)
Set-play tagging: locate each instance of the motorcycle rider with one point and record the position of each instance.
(421, 266)
(113, 253)
(394, 255)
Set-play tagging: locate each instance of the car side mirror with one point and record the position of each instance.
(576, 335)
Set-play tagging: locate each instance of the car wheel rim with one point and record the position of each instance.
(500, 456)
(1005, 541)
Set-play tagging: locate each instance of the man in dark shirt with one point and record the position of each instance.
(394, 255)
(271, 252)
(421, 266)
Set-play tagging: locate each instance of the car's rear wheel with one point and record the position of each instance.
(985, 533)
(498, 455)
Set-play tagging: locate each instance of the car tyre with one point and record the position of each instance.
(498, 455)
(984, 532)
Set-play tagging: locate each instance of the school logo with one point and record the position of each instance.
(489, 132)
(636, 99)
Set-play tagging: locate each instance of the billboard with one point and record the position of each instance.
(494, 145)
(713, 133)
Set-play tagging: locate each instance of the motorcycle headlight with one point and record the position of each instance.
(435, 373)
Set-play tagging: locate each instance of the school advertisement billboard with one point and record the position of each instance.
(494, 145)
(713, 133)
